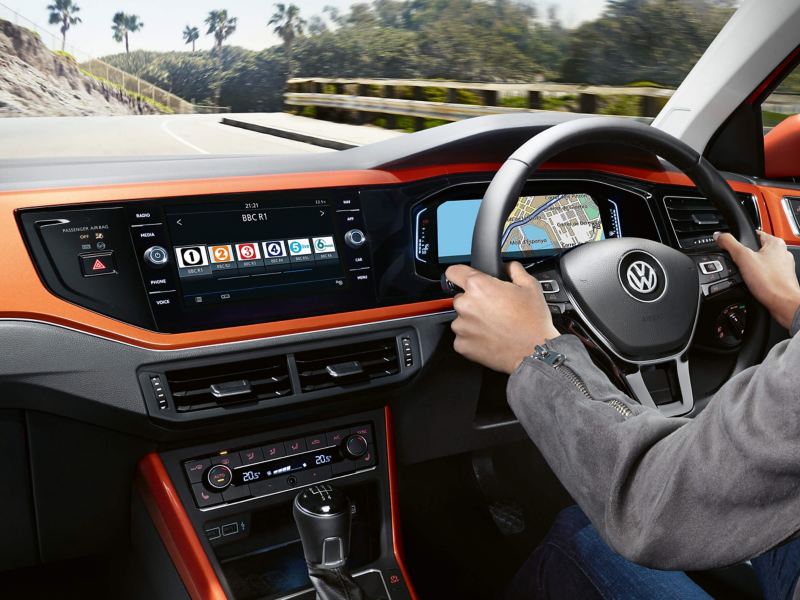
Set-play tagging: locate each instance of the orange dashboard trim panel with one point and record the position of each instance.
(176, 531)
(28, 298)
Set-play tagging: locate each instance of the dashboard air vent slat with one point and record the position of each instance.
(229, 383)
(320, 369)
(694, 220)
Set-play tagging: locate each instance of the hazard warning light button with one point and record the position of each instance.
(97, 263)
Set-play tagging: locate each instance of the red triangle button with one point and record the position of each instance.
(98, 265)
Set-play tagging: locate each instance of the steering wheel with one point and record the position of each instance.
(639, 298)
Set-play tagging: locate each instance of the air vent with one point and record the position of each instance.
(340, 366)
(229, 383)
(694, 220)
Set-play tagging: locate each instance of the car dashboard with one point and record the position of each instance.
(167, 319)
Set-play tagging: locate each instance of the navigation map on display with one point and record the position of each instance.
(537, 224)
(547, 222)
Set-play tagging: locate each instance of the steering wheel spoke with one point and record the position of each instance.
(672, 393)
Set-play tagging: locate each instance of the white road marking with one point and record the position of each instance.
(165, 127)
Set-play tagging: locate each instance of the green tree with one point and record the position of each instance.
(633, 40)
(64, 13)
(221, 26)
(288, 25)
(191, 35)
(123, 25)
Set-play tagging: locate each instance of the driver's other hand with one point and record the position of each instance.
(499, 323)
(768, 273)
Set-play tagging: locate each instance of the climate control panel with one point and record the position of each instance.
(235, 475)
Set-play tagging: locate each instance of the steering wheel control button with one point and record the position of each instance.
(720, 286)
(448, 287)
(156, 256)
(219, 477)
(710, 267)
(98, 263)
(355, 238)
(356, 446)
(642, 276)
(203, 497)
(549, 286)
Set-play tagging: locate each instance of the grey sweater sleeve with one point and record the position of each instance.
(672, 493)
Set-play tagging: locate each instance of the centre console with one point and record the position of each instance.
(236, 498)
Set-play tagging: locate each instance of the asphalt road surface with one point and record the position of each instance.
(28, 137)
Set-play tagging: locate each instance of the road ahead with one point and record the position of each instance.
(28, 137)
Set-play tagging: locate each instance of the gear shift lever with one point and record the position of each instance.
(322, 515)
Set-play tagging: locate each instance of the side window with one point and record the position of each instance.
(780, 116)
(783, 102)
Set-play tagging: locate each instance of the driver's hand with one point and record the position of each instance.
(768, 273)
(499, 323)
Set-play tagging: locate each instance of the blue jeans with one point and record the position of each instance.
(574, 562)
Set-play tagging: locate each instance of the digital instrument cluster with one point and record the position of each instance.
(549, 218)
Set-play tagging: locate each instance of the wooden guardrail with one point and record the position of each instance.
(360, 100)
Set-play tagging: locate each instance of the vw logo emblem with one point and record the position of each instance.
(642, 277)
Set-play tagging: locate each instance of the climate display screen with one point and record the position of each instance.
(232, 251)
(538, 225)
(285, 466)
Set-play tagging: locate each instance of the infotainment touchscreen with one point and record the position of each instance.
(539, 225)
(225, 252)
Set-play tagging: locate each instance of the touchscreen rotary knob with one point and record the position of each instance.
(356, 446)
(355, 238)
(218, 477)
(156, 256)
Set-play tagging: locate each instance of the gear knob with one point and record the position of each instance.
(322, 515)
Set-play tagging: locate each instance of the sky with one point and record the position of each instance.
(164, 21)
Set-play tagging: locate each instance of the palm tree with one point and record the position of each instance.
(123, 25)
(288, 26)
(191, 35)
(221, 25)
(63, 13)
